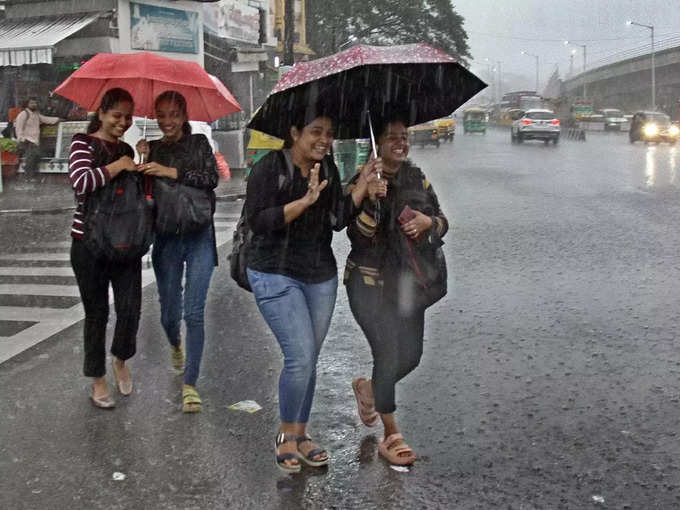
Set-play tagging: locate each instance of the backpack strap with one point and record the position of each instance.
(288, 159)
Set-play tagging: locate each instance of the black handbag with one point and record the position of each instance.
(180, 209)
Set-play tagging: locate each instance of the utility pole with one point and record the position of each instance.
(651, 28)
(289, 32)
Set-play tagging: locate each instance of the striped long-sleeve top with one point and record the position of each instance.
(87, 170)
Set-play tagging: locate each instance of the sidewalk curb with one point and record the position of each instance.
(47, 210)
(232, 197)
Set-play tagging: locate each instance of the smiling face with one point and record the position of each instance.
(171, 119)
(314, 141)
(116, 120)
(393, 146)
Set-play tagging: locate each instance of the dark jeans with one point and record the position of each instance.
(30, 153)
(396, 340)
(170, 255)
(93, 276)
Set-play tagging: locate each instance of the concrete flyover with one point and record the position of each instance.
(627, 84)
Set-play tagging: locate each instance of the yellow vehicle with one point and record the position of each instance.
(259, 145)
(424, 134)
(446, 128)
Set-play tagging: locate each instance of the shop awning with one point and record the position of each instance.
(32, 40)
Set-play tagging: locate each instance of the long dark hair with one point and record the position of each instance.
(109, 100)
(174, 97)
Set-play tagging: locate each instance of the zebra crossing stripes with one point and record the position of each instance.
(39, 296)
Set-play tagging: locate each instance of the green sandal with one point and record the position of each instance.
(177, 359)
(191, 402)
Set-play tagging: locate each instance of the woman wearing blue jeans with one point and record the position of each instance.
(189, 159)
(292, 270)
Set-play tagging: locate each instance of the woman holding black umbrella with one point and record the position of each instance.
(390, 315)
(294, 202)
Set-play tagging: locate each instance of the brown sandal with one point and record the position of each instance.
(396, 451)
(367, 413)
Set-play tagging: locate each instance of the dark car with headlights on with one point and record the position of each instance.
(652, 127)
(536, 124)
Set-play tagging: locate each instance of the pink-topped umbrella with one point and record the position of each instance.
(145, 76)
(415, 81)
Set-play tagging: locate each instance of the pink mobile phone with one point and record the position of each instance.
(406, 215)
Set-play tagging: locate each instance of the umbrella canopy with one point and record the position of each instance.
(145, 76)
(415, 81)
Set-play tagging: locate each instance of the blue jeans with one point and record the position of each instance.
(169, 255)
(299, 315)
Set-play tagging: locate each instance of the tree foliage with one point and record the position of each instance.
(332, 24)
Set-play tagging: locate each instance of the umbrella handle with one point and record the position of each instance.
(375, 150)
(142, 157)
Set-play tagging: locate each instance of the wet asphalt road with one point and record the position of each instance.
(549, 378)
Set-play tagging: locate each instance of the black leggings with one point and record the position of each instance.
(93, 276)
(396, 341)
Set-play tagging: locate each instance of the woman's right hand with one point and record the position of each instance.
(120, 165)
(377, 188)
(314, 188)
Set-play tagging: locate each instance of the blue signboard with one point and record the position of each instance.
(154, 28)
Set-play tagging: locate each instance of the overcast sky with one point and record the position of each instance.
(502, 29)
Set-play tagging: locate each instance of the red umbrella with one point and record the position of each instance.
(145, 76)
(417, 81)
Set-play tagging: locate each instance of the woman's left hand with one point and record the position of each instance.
(417, 226)
(158, 170)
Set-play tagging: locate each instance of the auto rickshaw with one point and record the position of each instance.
(446, 128)
(260, 144)
(475, 120)
(424, 134)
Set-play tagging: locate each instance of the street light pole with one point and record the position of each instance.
(651, 28)
(536, 57)
(584, 63)
(499, 89)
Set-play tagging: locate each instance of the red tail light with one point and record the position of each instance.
(526, 122)
(555, 122)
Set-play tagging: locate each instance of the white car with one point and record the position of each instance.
(614, 119)
(536, 124)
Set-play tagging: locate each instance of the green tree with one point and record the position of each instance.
(330, 24)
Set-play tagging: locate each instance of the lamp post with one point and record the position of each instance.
(499, 88)
(536, 57)
(651, 28)
(568, 43)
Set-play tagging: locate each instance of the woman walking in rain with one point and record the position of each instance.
(187, 159)
(95, 159)
(393, 325)
(294, 202)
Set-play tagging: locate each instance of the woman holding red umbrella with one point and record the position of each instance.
(187, 160)
(95, 159)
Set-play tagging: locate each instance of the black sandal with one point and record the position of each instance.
(281, 458)
(309, 458)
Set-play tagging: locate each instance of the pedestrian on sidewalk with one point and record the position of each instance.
(95, 159)
(187, 160)
(394, 329)
(291, 267)
(27, 129)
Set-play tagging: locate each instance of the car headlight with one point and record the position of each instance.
(651, 129)
(674, 130)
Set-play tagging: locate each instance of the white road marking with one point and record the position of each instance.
(50, 321)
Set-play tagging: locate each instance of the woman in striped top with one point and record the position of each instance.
(95, 159)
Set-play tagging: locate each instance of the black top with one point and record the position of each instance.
(193, 157)
(302, 248)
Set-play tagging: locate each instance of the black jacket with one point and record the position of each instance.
(193, 157)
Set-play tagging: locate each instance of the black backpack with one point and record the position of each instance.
(118, 221)
(243, 236)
